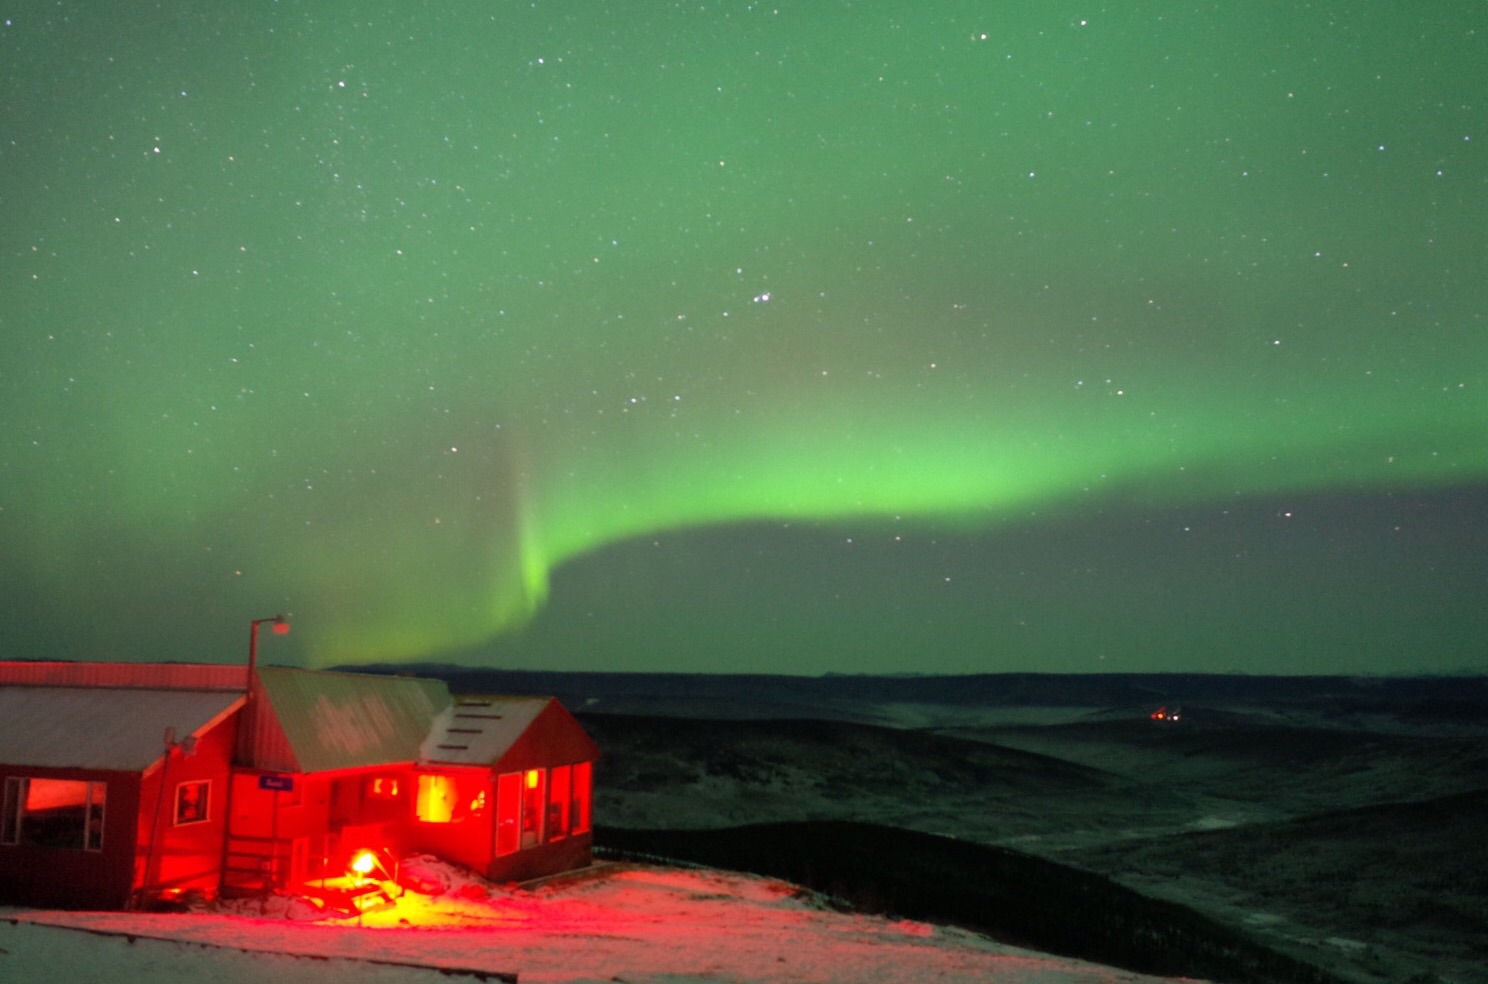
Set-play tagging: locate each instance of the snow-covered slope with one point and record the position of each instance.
(623, 923)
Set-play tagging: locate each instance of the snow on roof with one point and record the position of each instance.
(101, 728)
(479, 730)
(345, 720)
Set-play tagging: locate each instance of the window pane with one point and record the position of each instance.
(191, 802)
(508, 795)
(534, 796)
(583, 774)
(55, 813)
(10, 821)
(436, 799)
(558, 793)
(97, 793)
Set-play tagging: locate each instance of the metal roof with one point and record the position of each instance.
(154, 676)
(102, 728)
(331, 720)
(479, 730)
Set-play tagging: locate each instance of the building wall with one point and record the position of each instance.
(280, 838)
(574, 851)
(464, 836)
(474, 837)
(180, 843)
(66, 878)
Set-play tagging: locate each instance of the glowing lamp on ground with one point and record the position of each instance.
(363, 863)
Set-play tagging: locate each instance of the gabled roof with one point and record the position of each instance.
(102, 728)
(506, 732)
(479, 730)
(311, 721)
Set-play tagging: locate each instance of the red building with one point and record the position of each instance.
(124, 783)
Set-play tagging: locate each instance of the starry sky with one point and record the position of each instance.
(793, 337)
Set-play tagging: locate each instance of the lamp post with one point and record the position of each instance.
(248, 731)
(281, 627)
(247, 734)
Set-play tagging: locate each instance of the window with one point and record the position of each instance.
(583, 778)
(192, 802)
(558, 794)
(436, 799)
(61, 813)
(449, 799)
(533, 800)
(382, 787)
(10, 820)
(508, 795)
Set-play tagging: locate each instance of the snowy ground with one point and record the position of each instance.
(622, 923)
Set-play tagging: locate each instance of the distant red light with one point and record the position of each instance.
(281, 628)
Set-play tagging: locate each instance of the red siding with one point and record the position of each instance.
(553, 738)
(186, 856)
(280, 838)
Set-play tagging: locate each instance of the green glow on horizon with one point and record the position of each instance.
(383, 318)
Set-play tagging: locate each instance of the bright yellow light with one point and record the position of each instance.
(363, 863)
(532, 778)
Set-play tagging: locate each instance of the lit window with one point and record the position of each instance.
(192, 802)
(436, 799)
(382, 787)
(533, 802)
(62, 813)
(449, 799)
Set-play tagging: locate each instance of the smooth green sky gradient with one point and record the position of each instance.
(384, 317)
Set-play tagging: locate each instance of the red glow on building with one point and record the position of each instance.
(309, 779)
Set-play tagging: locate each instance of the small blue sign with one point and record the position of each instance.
(282, 784)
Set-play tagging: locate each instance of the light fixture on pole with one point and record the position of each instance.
(281, 627)
(248, 733)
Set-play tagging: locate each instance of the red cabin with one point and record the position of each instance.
(113, 778)
(125, 783)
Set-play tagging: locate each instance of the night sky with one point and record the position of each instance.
(799, 337)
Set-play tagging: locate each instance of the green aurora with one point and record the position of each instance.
(404, 320)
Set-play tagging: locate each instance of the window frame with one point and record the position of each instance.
(581, 799)
(12, 803)
(206, 803)
(13, 814)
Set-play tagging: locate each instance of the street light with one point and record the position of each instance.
(281, 627)
(248, 734)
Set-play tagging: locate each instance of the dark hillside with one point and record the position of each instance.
(1015, 897)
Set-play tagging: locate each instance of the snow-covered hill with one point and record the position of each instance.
(620, 923)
